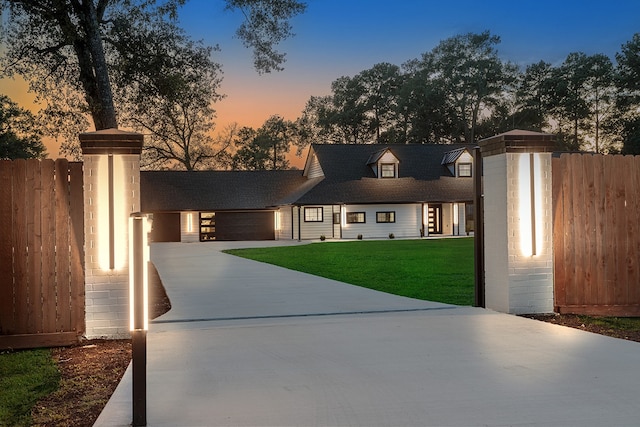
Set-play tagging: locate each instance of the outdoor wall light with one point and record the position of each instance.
(530, 204)
(111, 212)
(276, 221)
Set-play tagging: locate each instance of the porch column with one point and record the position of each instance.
(518, 258)
(111, 194)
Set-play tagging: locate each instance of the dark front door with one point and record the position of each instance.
(434, 219)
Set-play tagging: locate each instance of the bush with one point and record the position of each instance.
(392, 236)
(359, 236)
(322, 237)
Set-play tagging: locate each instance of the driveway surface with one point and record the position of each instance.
(250, 344)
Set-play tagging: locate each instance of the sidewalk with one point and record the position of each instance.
(250, 344)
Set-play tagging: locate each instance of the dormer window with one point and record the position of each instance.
(384, 164)
(388, 170)
(464, 169)
(458, 162)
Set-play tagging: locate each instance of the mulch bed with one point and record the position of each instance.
(90, 373)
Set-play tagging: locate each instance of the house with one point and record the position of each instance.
(343, 192)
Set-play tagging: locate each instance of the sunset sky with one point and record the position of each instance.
(343, 37)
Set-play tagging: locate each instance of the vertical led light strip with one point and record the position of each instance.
(112, 250)
(139, 255)
(532, 193)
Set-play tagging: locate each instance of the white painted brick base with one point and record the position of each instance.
(107, 291)
(516, 283)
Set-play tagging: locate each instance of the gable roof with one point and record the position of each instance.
(346, 178)
(171, 191)
(453, 155)
(421, 175)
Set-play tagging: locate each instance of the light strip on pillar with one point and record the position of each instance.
(530, 204)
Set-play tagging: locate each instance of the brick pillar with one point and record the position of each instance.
(111, 194)
(518, 258)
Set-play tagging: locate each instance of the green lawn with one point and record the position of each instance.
(25, 377)
(434, 270)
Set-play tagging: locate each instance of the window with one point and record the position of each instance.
(464, 169)
(356, 218)
(388, 170)
(386, 216)
(336, 217)
(313, 214)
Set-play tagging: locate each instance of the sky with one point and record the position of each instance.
(337, 38)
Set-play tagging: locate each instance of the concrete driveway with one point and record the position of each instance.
(250, 344)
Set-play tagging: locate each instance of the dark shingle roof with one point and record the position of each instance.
(347, 179)
(421, 175)
(218, 190)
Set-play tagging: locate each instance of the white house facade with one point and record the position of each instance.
(344, 192)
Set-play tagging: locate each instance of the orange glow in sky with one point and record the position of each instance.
(337, 38)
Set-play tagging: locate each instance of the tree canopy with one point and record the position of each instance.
(78, 56)
(462, 91)
(20, 135)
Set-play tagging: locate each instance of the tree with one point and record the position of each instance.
(422, 107)
(69, 44)
(265, 148)
(467, 68)
(379, 86)
(628, 95)
(532, 98)
(168, 91)
(20, 135)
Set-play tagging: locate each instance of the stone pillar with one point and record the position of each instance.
(111, 194)
(518, 254)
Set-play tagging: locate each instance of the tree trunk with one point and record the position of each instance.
(94, 74)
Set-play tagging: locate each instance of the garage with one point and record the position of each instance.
(165, 227)
(238, 225)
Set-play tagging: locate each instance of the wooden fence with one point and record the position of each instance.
(41, 253)
(596, 217)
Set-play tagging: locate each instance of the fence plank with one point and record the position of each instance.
(632, 210)
(599, 230)
(76, 240)
(620, 229)
(48, 247)
(34, 246)
(7, 312)
(609, 235)
(559, 231)
(576, 293)
(62, 246)
(588, 228)
(20, 245)
(635, 247)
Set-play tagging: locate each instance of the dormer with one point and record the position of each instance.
(312, 167)
(384, 164)
(459, 162)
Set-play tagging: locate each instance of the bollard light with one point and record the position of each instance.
(139, 227)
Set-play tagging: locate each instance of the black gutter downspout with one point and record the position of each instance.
(478, 205)
(293, 229)
(299, 224)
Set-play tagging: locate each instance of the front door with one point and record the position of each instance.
(434, 219)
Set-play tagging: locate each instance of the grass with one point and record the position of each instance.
(614, 323)
(25, 377)
(434, 270)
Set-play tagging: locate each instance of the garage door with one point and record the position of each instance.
(245, 226)
(165, 227)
